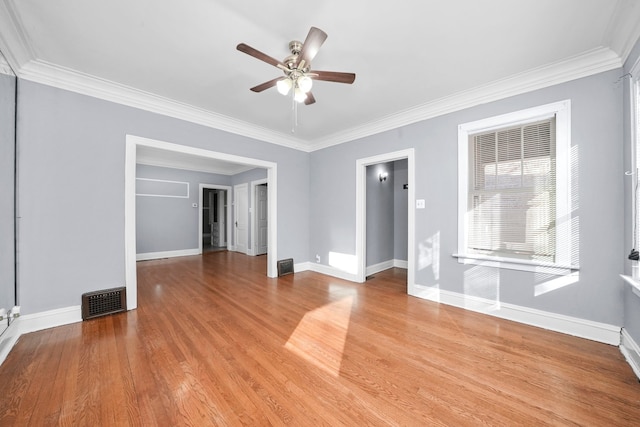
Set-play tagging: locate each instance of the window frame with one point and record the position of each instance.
(634, 99)
(563, 245)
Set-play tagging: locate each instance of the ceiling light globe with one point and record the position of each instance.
(305, 83)
(284, 86)
(299, 95)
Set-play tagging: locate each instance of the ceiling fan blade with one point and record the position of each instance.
(266, 85)
(311, 45)
(333, 76)
(309, 99)
(259, 55)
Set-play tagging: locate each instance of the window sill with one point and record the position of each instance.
(516, 264)
(635, 284)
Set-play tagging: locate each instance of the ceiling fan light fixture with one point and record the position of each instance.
(299, 95)
(305, 83)
(284, 85)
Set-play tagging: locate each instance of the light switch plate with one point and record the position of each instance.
(420, 204)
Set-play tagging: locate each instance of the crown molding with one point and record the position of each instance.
(14, 43)
(623, 30)
(589, 63)
(64, 78)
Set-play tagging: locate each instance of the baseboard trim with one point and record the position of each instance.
(36, 322)
(631, 351)
(331, 271)
(595, 331)
(385, 265)
(166, 254)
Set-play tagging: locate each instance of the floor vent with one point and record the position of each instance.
(285, 266)
(101, 303)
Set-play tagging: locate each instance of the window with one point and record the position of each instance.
(514, 201)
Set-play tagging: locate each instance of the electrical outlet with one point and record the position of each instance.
(317, 258)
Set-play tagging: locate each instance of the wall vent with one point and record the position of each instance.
(285, 266)
(101, 303)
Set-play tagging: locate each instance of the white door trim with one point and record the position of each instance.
(131, 144)
(252, 209)
(361, 203)
(200, 204)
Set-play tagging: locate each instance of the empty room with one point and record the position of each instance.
(224, 213)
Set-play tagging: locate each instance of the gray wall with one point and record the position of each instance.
(71, 190)
(170, 223)
(71, 195)
(596, 136)
(7, 155)
(379, 213)
(400, 213)
(631, 301)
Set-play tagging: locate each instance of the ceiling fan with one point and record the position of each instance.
(298, 75)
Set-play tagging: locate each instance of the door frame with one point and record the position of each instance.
(200, 218)
(361, 210)
(252, 210)
(131, 144)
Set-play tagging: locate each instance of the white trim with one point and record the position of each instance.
(302, 266)
(332, 271)
(635, 285)
(596, 331)
(36, 322)
(562, 111)
(385, 265)
(65, 78)
(228, 189)
(631, 351)
(381, 266)
(168, 254)
(516, 264)
(361, 226)
(589, 63)
(401, 263)
(131, 144)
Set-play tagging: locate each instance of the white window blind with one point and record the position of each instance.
(512, 192)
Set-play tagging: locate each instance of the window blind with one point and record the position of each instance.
(512, 193)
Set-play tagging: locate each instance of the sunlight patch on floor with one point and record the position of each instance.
(321, 335)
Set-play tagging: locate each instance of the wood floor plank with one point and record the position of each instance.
(216, 342)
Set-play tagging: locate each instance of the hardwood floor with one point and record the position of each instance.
(216, 342)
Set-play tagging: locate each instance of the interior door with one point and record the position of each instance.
(241, 213)
(261, 219)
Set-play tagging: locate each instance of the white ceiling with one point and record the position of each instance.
(413, 59)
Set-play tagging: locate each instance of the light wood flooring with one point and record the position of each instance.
(215, 342)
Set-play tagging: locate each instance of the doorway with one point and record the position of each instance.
(214, 218)
(361, 219)
(131, 146)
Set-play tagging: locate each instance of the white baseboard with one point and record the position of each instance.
(166, 254)
(385, 265)
(36, 322)
(301, 266)
(631, 351)
(595, 331)
(330, 271)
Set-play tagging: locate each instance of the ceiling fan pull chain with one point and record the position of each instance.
(294, 111)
